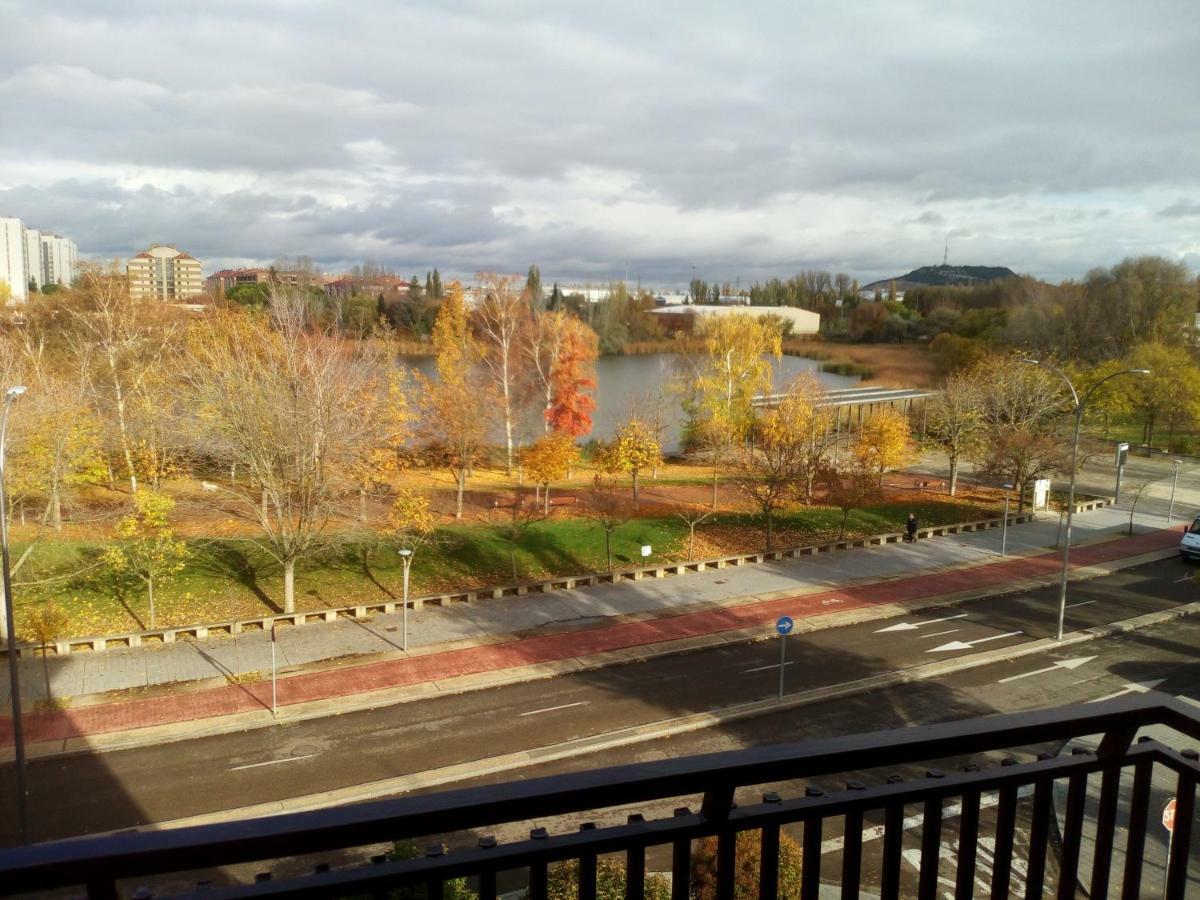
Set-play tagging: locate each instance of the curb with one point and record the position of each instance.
(245, 721)
(668, 727)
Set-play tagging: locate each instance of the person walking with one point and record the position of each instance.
(911, 528)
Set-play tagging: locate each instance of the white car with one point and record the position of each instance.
(1189, 547)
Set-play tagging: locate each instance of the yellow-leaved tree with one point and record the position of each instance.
(549, 458)
(145, 547)
(634, 450)
(883, 444)
(734, 367)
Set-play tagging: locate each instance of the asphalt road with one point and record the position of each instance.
(89, 793)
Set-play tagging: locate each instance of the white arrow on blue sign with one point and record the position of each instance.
(785, 625)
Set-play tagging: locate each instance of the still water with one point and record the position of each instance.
(629, 384)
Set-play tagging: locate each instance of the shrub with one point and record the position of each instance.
(747, 860)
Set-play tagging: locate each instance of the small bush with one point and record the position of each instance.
(747, 861)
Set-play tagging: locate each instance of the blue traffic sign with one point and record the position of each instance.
(784, 625)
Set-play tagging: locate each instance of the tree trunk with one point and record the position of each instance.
(546, 498)
(635, 489)
(512, 555)
(691, 541)
(608, 547)
(289, 586)
(54, 509)
(845, 519)
(460, 476)
(263, 502)
(150, 595)
(770, 531)
(953, 473)
(714, 496)
(362, 505)
(233, 473)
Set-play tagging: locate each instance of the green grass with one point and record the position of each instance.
(234, 579)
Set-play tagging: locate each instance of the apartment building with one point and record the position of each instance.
(164, 273)
(33, 259)
(218, 283)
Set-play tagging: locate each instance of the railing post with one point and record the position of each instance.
(810, 868)
(931, 843)
(1135, 844)
(1181, 837)
(852, 846)
(768, 868)
(893, 837)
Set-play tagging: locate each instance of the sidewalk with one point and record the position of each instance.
(503, 636)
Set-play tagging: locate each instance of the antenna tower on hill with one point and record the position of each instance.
(946, 252)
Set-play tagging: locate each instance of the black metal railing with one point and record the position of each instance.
(1067, 795)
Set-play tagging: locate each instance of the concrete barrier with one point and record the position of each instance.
(363, 611)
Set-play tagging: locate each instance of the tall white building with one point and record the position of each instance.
(58, 259)
(28, 255)
(33, 259)
(12, 258)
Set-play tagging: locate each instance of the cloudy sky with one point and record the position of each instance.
(726, 140)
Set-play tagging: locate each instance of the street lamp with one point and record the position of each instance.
(406, 558)
(1080, 403)
(1004, 527)
(1174, 481)
(14, 683)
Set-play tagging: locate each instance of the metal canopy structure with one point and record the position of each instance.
(857, 396)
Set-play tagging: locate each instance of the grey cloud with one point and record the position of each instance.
(461, 131)
(1181, 208)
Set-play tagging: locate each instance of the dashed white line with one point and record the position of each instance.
(764, 668)
(938, 633)
(271, 762)
(538, 712)
(1080, 603)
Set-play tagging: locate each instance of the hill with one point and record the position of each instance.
(944, 275)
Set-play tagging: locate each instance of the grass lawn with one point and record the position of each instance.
(230, 578)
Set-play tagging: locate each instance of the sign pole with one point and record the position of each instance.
(784, 627)
(782, 661)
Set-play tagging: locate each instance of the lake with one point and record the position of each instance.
(625, 384)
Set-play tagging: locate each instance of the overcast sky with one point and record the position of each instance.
(725, 140)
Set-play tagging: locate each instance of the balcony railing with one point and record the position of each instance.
(1060, 798)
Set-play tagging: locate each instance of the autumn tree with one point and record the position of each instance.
(456, 408)
(770, 465)
(955, 421)
(511, 521)
(563, 352)
(850, 487)
(693, 516)
(549, 458)
(734, 367)
(747, 857)
(378, 465)
(1169, 395)
(499, 320)
(811, 424)
(295, 405)
(411, 522)
(634, 449)
(1021, 454)
(883, 443)
(145, 546)
(608, 508)
(128, 343)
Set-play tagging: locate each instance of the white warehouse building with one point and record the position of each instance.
(803, 321)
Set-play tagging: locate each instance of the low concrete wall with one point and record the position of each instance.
(366, 610)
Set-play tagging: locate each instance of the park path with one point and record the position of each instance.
(330, 684)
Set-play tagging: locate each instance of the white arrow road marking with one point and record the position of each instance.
(1061, 664)
(1141, 687)
(967, 645)
(913, 626)
(537, 712)
(764, 668)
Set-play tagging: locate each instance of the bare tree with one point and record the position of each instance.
(297, 408)
(608, 507)
(693, 516)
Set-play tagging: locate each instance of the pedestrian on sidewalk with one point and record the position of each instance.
(911, 528)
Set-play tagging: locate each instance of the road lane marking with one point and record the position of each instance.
(538, 712)
(271, 762)
(938, 633)
(1141, 687)
(912, 626)
(967, 645)
(1080, 603)
(1061, 664)
(764, 668)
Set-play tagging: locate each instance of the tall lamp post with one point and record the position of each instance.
(1174, 481)
(406, 558)
(1080, 403)
(1004, 527)
(14, 682)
